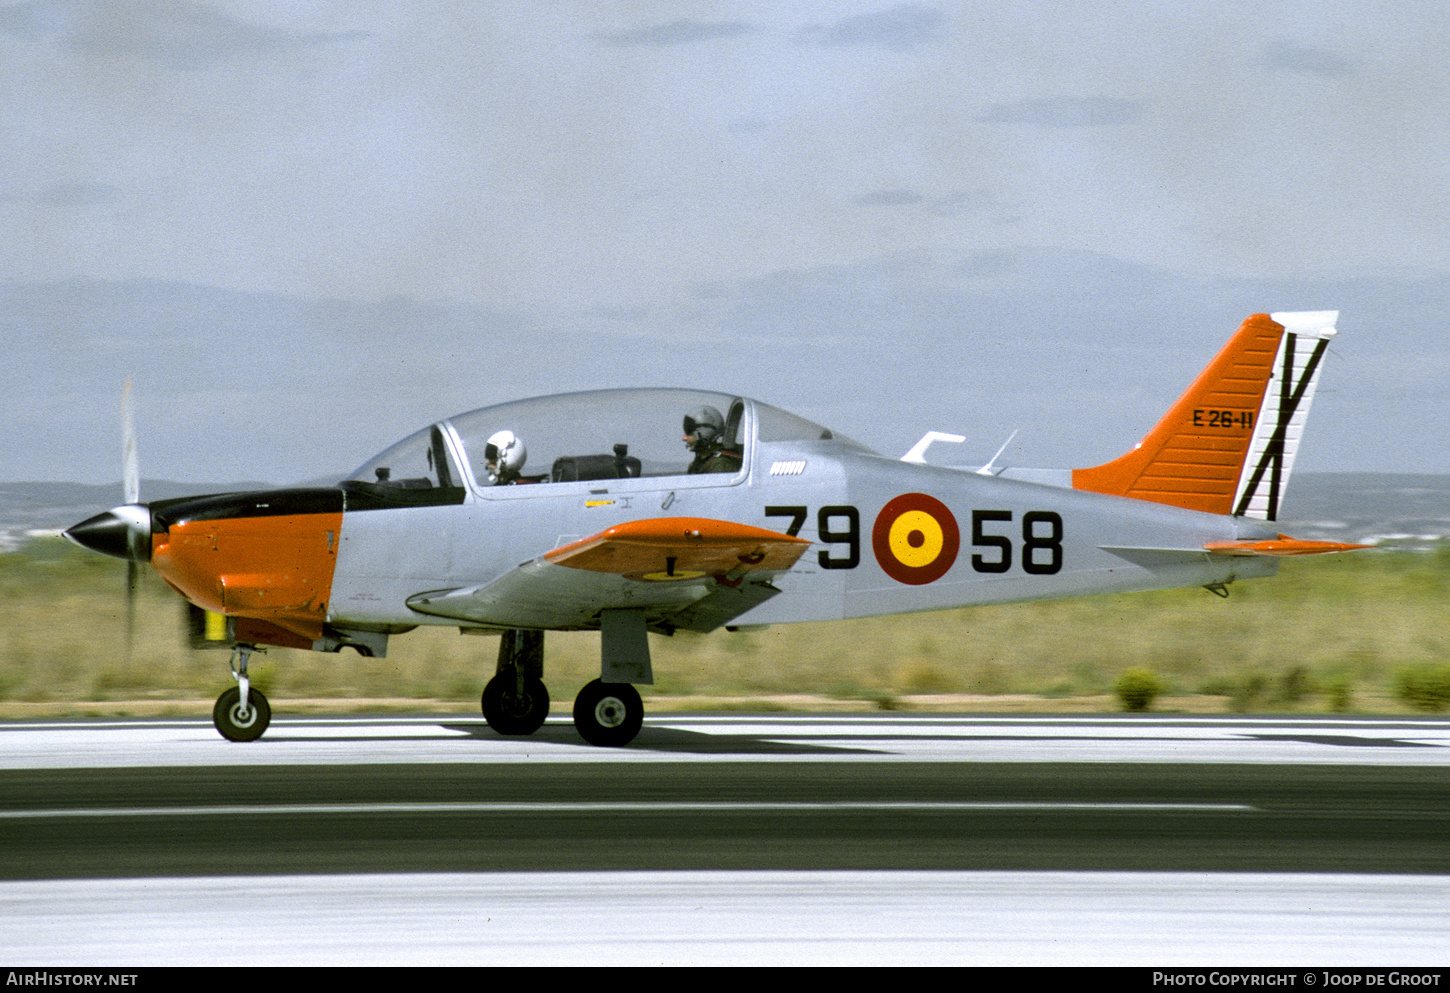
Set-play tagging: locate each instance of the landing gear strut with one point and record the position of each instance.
(516, 701)
(608, 711)
(241, 713)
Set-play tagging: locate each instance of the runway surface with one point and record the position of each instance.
(1112, 840)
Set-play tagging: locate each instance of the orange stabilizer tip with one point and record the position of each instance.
(1283, 545)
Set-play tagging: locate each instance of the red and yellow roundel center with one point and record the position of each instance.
(915, 539)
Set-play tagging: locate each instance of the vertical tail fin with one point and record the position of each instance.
(1228, 444)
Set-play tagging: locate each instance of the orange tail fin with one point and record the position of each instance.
(1228, 444)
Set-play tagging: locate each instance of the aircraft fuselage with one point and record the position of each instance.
(304, 559)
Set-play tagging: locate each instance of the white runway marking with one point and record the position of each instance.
(1156, 919)
(586, 807)
(715, 738)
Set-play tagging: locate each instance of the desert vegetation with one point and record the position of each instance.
(1362, 632)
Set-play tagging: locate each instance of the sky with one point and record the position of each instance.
(307, 229)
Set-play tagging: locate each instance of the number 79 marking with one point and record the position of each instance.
(828, 531)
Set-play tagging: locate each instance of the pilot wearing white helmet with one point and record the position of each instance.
(504, 456)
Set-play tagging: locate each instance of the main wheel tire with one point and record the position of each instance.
(236, 725)
(510, 712)
(608, 713)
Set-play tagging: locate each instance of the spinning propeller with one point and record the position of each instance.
(130, 494)
(123, 532)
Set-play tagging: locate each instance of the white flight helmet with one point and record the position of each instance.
(506, 454)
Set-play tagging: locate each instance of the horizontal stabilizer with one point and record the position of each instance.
(1156, 558)
(1283, 545)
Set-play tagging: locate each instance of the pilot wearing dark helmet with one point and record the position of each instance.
(705, 436)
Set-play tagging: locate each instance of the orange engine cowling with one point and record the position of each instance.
(264, 558)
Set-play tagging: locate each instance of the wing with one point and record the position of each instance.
(685, 572)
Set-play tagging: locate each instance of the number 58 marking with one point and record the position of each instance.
(1041, 542)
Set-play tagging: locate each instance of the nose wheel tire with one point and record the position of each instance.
(608, 713)
(236, 724)
(511, 710)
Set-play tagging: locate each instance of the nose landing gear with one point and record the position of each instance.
(241, 713)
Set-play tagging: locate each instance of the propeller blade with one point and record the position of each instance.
(131, 491)
(130, 464)
(133, 575)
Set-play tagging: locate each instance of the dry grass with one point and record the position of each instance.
(1326, 634)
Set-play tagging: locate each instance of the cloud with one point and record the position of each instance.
(980, 203)
(78, 195)
(983, 203)
(888, 198)
(1289, 57)
(898, 29)
(177, 33)
(677, 33)
(1064, 112)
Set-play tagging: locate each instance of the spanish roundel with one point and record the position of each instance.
(915, 539)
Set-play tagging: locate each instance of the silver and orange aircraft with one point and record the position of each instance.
(581, 512)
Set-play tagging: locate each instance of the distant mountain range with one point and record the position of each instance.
(1400, 509)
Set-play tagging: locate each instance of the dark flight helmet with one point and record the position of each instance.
(706, 424)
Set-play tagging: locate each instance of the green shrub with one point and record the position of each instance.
(1294, 686)
(1138, 688)
(1248, 694)
(1424, 687)
(1341, 693)
(1218, 686)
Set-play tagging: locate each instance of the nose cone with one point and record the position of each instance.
(122, 532)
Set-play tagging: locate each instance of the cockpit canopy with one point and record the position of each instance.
(604, 434)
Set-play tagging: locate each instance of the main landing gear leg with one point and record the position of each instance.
(241, 713)
(516, 701)
(608, 711)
